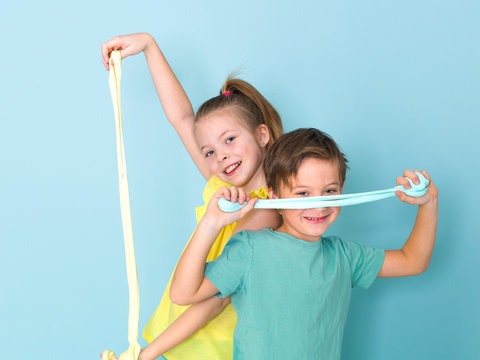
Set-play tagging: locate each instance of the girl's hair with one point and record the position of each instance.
(251, 105)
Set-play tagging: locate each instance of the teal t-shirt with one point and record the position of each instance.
(291, 296)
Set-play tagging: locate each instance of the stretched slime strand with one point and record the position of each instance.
(416, 190)
(134, 308)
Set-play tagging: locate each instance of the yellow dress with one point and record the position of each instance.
(215, 340)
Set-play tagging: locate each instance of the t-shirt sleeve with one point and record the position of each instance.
(229, 271)
(365, 263)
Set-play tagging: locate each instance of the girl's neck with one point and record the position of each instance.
(256, 182)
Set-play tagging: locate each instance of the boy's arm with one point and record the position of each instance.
(187, 324)
(189, 284)
(414, 257)
(174, 100)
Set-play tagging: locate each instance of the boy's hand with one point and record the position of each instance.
(127, 45)
(217, 217)
(429, 198)
(414, 256)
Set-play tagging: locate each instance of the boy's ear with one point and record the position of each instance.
(271, 194)
(341, 188)
(263, 135)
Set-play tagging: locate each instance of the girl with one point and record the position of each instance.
(227, 140)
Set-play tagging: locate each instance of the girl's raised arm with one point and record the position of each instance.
(174, 100)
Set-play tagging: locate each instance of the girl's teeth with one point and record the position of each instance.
(231, 168)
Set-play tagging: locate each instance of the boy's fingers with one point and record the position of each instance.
(426, 174)
(407, 199)
(402, 181)
(400, 195)
(410, 174)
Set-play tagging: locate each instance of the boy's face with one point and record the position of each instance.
(315, 177)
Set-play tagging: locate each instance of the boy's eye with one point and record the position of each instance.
(331, 191)
(209, 153)
(230, 139)
(302, 193)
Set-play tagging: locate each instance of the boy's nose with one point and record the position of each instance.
(319, 212)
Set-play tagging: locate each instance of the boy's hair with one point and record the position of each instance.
(241, 96)
(285, 156)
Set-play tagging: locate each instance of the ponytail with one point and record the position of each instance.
(253, 107)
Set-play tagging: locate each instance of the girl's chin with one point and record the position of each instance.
(233, 179)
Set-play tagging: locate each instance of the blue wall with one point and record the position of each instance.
(396, 83)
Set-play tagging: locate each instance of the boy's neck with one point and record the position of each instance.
(285, 229)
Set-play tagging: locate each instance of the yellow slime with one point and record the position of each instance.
(133, 311)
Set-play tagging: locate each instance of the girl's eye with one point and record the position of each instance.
(331, 191)
(230, 139)
(302, 193)
(209, 153)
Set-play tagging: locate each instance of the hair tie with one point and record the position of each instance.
(227, 93)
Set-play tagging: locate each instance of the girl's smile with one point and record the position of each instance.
(231, 169)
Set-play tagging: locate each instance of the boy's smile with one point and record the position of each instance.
(315, 177)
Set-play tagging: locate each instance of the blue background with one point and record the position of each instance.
(395, 83)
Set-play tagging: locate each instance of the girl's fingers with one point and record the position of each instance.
(105, 56)
(242, 196)
(247, 208)
(108, 46)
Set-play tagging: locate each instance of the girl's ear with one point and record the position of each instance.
(263, 135)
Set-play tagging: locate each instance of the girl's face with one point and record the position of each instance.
(233, 153)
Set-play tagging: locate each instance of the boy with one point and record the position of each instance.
(290, 286)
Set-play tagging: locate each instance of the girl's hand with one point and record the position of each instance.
(217, 217)
(127, 45)
(430, 197)
(140, 357)
(101, 356)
